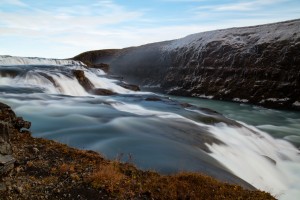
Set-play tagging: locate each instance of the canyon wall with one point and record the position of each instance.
(258, 65)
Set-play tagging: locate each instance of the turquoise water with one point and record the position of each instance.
(279, 123)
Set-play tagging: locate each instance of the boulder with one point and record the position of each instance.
(129, 86)
(101, 91)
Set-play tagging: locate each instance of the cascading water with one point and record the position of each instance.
(159, 133)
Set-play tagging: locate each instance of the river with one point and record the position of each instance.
(243, 144)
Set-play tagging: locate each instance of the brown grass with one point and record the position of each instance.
(107, 177)
(125, 181)
(61, 172)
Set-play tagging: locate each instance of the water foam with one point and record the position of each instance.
(269, 164)
(272, 165)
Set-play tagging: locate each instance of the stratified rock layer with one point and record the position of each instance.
(258, 64)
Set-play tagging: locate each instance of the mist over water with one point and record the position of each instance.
(158, 132)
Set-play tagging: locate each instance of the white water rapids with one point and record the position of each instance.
(161, 135)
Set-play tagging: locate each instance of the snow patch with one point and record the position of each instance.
(278, 100)
(205, 96)
(244, 37)
(296, 103)
(240, 100)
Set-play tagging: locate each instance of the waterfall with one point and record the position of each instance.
(14, 60)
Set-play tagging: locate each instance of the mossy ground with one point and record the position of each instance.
(49, 170)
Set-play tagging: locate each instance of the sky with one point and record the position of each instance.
(65, 28)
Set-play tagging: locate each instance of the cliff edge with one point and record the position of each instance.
(257, 64)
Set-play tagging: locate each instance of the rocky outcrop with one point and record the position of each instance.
(8, 123)
(258, 65)
(83, 80)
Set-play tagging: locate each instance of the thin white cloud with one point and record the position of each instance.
(246, 5)
(185, 0)
(13, 2)
(67, 18)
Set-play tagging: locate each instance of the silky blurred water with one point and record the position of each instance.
(159, 132)
(283, 124)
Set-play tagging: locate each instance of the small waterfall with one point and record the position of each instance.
(49, 75)
(109, 84)
(13, 60)
(69, 86)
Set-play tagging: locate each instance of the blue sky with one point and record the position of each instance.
(64, 28)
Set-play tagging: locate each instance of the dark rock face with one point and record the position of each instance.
(259, 65)
(8, 123)
(6, 113)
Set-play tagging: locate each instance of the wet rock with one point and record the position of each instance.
(101, 91)
(152, 99)
(19, 123)
(83, 80)
(130, 86)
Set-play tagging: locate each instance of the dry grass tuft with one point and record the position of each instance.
(107, 177)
